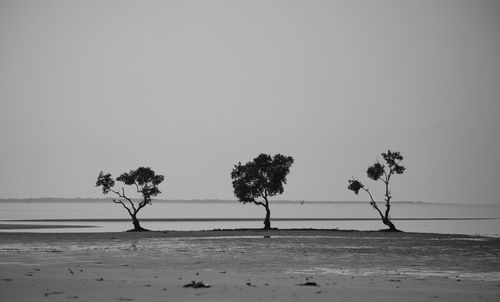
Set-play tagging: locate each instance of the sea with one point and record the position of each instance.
(102, 215)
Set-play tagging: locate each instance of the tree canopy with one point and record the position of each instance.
(145, 182)
(262, 177)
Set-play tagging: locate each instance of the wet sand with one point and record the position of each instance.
(14, 226)
(243, 265)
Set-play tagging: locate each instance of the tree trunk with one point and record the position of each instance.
(267, 221)
(137, 225)
(392, 227)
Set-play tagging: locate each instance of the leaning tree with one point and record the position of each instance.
(378, 171)
(145, 182)
(261, 178)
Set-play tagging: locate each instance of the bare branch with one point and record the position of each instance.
(128, 199)
(122, 195)
(369, 193)
(141, 205)
(373, 203)
(123, 204)
(259, 203)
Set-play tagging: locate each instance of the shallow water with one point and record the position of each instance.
(352, 213)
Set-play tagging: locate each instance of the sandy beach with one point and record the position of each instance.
(245, 265)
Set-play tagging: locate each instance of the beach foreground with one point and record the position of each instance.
(244, 265)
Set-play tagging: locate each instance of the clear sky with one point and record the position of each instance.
(190, 88)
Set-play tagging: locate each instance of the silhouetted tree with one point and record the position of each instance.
(145, 182)
(261, 178)
(380, 172)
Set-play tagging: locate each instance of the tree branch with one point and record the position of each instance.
(385, 174)
(123, 204)
(129, 200)
(388, 196)
(141, 205)
(137, 187)
(259, 203)
(378, 210)
(369, 193)
(261, 192)
(373, 203)
(122, 195)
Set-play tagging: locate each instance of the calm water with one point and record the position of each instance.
(465, 218)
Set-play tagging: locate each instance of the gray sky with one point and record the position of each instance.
(192, 87)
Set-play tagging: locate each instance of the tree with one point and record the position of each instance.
(145, 182)
(263, 177)
(376, 172)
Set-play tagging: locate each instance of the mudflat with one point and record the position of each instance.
(248, 265)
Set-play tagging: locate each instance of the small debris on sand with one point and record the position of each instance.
(53, 293)
(308, 284)
(198, 284)
(250, 284)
